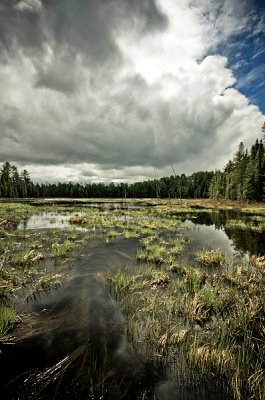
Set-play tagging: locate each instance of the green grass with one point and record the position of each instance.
(60, 250)
(153, 253)
(177, 247)
(256, 224)
(8, 318)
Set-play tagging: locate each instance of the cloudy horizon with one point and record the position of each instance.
(120, 90)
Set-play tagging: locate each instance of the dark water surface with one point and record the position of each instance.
(211, 229)
(82, 316)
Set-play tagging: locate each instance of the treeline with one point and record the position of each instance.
(15, 184)
(243, 177)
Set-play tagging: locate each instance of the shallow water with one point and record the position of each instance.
(207, 237)
(48, 220)
(102, 204)
(211, 230)
(206, 229)
(83, 314)
(80, 315)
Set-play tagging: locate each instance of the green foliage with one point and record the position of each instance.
(243, 178)
(14, 184)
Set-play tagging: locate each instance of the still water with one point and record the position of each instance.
(48, 220)
(82, 315)
(206, 230)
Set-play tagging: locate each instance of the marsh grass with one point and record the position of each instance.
(210, 258)
(154, 253)
(88, 372)
(60, 250)
(256, 224)
(82, 371)
(211, 319)
(112, 235)
(29, 263)
(177, 247)
(163, 316)
(25, 259)
(44, 284)
(130, 234)
(8, 318)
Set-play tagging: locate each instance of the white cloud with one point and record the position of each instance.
(29, 5)
(64, 118)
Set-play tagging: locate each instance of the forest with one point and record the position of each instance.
(243, 178)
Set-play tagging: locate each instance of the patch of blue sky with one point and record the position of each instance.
(246, 57)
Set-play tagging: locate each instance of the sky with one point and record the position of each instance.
(120, 90)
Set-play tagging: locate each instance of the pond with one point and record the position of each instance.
(205, 229)
(81, 324)
(87, 203)
(231, 231)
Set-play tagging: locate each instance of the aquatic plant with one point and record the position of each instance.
(177, 247)
(130, 234)
(25, 258)
(154, 253)
(60, 250)
(112, 234)
(210, 258)
(163, 314)
(44, 283)
(8, 317)
(79, 219)
(257, 225)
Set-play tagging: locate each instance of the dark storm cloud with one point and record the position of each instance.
(18, 27)
(87, 26)
(58, 75)
(72, 29)
(75, 87)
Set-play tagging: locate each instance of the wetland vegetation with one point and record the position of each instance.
(185, 316)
